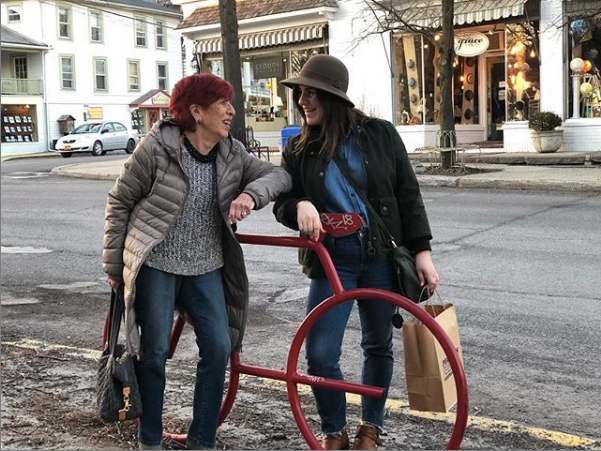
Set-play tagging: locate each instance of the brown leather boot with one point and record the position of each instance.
(367, 437)
(336, 441)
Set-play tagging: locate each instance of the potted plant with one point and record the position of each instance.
(545, 137)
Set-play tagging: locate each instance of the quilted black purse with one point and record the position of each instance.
(117, 392)
(402, 258)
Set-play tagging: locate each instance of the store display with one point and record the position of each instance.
(21, 131)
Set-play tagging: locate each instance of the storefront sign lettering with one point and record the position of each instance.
(269, 67)
(470, 43)
(160, 99)
(95, 112)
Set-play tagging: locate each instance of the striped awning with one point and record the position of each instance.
(427, 14)
(264, 39)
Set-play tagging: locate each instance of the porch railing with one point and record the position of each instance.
(21, 86)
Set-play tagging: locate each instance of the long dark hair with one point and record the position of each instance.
(338, 116)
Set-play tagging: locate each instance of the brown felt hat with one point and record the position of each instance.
(323, 72)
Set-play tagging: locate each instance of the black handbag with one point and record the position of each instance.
(403, 259)
(117, 392)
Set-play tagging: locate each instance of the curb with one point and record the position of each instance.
(64, 171)
(27, 156)
(521, 185)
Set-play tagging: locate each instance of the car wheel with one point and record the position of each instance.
(97, 149)
(66, 154)
(131, 145)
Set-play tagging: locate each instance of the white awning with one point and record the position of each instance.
(264, 39)
(428, 13)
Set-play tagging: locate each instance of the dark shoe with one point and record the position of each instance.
(367, 437)
(336, 441)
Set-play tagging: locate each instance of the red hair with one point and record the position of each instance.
(198, 89)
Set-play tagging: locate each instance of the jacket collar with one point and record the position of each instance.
(167, 133)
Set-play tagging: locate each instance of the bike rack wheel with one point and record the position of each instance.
(292, 376)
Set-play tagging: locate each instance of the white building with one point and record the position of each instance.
(522, 69)
(114, 59)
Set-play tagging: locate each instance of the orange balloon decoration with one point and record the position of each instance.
(586, 66)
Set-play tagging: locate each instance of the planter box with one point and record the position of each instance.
(547, 142)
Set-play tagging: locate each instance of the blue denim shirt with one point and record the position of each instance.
(341, 197)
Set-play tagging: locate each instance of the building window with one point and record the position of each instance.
(523, 70)
(64, 22)
(140, 30)
(584, 51)
(100, 74)
(160, 35)
(20, 67)
(19, 123)
(162, 72)
(67, 65)
(14, 13)
(417, 87)
(95, 26)
(133, 75)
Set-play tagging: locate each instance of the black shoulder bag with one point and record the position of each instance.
(403, 259)
(117, 392)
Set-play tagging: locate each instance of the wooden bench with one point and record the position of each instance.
(254, 145)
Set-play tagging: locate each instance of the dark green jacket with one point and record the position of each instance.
(393, 190)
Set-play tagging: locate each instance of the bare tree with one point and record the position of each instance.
(396, 15)
(231, 63)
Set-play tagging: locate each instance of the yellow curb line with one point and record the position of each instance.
(562, 439)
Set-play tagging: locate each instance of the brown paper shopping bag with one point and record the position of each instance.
(430, 381)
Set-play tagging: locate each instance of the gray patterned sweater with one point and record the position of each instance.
(193, 245)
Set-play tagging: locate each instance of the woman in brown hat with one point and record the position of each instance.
(375, 157)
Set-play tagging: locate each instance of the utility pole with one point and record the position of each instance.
(231, 64)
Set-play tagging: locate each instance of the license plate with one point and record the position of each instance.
(67, 147)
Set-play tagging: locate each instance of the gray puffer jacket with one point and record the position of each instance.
(148, 196)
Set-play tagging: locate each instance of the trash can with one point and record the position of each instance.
(288, 132)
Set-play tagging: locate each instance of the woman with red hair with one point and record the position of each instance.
(169, 240)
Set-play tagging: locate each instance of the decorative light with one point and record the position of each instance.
(437, 37)
(532, 53)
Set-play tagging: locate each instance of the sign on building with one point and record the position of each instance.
(470, 43)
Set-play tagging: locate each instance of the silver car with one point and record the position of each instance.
(97, 138)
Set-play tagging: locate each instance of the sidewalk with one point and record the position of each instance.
(559, 171)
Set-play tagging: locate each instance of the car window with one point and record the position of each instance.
(86, 128)
(119, 127)
(108, 127)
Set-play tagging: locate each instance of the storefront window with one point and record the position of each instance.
(19, 123)
(266, 101)
(417, 89)
(585, 58)
(523, 71)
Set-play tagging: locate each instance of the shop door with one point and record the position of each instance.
(496, 97)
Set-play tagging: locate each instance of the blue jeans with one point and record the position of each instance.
(324, 341)
(202, 297)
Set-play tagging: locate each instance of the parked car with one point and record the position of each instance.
(97, 138)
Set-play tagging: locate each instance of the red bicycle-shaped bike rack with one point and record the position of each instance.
(292, 377)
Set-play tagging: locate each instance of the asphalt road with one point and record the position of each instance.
(522, 269)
